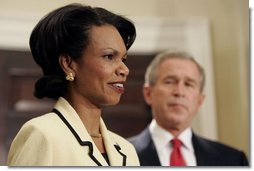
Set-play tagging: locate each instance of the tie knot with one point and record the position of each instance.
(176, 143)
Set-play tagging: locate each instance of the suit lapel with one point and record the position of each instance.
(71, 119)
(115, 155)
(152, 152)
(205, 155)
(148, 156)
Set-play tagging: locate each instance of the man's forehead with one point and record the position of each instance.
(179, 68)
(183, 65)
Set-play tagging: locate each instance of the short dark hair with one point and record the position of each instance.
(66, 31)
(151, 74)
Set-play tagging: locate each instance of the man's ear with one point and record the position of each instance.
(147, 93)
(201, 99)
(67, 64)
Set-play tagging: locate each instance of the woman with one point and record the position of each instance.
(81, 51)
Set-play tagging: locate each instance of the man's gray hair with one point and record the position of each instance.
(151, 74)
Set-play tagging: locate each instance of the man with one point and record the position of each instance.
(174, 84)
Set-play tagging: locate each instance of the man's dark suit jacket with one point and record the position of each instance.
(208, 153)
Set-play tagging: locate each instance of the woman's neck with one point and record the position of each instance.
(88, 113)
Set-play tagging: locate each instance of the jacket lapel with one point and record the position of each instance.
(71, 119)
(116, 157)
(205, 155)
(150, 154)
(145, 148)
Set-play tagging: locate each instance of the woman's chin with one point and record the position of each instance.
(112, 102)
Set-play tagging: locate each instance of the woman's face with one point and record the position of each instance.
(100, 74)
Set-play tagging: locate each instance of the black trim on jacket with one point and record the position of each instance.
(82, 143)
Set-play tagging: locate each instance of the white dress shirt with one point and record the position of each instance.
(162, 138)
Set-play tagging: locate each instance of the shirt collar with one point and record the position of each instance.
(161, 137)
(186, 138)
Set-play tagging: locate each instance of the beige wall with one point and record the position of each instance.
(230, 47)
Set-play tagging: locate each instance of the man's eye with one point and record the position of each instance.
(169, 81)
(189, 84)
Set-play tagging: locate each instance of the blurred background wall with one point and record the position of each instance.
(229, 30)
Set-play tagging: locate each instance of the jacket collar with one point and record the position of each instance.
(146, 149)
(69, 116)
(205, 154)
(115, 156)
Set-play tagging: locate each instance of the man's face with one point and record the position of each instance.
(176, 96)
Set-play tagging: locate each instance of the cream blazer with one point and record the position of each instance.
(59, 138)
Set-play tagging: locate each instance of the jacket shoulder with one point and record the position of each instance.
(23, 148)
(215, 145)
(141, 140)
(218, 153)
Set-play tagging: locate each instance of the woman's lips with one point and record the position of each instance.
(118, 87)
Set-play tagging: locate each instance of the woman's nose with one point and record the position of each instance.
(123, 70)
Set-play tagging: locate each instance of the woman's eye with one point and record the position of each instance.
(124, 60)
(110, 57)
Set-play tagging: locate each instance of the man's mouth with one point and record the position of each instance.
(177, 105)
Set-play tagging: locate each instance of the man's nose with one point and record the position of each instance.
(179, 90)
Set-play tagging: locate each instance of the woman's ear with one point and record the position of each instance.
(67, 64)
